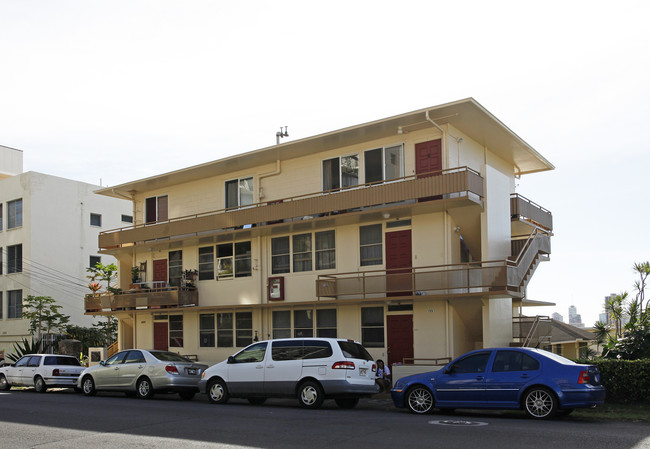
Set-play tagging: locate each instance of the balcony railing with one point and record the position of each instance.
(521, 207)
(142, 299)
(478, 278)
(531, 331)
(457, 279)
(461, 182)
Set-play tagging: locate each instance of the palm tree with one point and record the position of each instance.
(601, 331)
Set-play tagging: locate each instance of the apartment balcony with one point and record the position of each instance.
(462, 186)
(143, 298)
(525, 211)
(500, 277)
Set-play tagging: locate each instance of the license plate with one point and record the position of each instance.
(363, 371)
(191, 371)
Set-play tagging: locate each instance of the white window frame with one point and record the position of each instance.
(13, 217)
(234, 258)
(157, 198)
(314, 252)
(383, 162)
(239, 192)
(340, 158)
(380, 244)
(16, 308)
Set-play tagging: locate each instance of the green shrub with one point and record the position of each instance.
(624, 380)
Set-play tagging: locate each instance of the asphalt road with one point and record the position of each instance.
(63, 419)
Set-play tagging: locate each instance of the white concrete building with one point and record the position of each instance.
(48, 237)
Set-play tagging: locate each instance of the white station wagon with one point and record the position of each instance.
(311, 369)
(42, 371)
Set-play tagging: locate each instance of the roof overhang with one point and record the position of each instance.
(532, 303)
(466, 115)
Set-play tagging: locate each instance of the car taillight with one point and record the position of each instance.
(374, 368)
(55, 372)
(584, 377)
(343, 365)
(171, 369)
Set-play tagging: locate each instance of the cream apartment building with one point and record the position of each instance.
(404, 233)
(48, 237)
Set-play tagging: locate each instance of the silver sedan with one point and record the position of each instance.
(141, 373)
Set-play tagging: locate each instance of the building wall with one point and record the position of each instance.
(57, 241)
(298, 176)
(442, 327)
(11, 162)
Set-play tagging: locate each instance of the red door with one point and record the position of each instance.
(161, 336)
(160, 271)
(428, 161)
(398, 263)
(400, 338)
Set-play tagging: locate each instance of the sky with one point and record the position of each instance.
(110, 91)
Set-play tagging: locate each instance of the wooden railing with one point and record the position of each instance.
(478, 278)
(112, 349)
(525, 208)
(455, 279)
(142, 299)
(461, 181)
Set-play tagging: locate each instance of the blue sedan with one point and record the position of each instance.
(541, 383)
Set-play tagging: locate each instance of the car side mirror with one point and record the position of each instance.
(448, 370)
(102, 363)
(231, 359)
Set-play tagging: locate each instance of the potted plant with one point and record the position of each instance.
(188, 278)
(135, 277)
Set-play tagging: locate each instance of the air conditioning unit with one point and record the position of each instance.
(96, 355)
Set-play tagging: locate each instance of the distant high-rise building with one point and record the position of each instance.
(556, 316)
(574, 317)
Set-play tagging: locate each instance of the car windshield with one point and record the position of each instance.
(60, 360)
(354, 350)
(164, 356)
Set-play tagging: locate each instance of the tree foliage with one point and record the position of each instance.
(27, 347)
(104, 273)
(44, 315)
(93, 337)
(629, 341)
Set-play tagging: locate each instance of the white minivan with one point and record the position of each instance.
(311, 369)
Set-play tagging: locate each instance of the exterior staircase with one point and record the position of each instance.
(530, 253)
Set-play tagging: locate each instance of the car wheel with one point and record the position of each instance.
(144, 389)
(39, 385)
(187, 395)
(540, 403)
(218, 392)
(4, 385)
(310, 395)
(256, 401)
(88, 386)
(419, 400)
(346, 402)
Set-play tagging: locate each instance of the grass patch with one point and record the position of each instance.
(638, 411)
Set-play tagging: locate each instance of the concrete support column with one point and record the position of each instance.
(497, 322)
